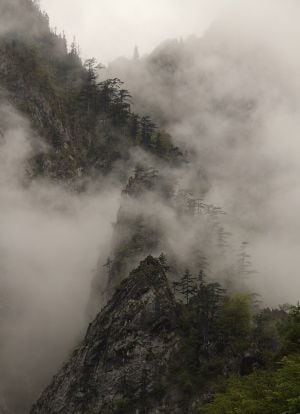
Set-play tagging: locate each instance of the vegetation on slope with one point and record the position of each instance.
(275, 390)
(88, 125)
(233, 356)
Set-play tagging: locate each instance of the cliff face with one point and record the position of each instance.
(145, 353)
(138, 232)
(88, 127)
(122, 364)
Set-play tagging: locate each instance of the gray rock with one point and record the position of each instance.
(123, 361)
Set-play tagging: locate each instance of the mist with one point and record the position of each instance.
(50, 241)
(231, 99)
(119, 25)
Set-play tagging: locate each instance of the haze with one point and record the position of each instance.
(107, 29)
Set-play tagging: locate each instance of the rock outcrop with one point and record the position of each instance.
(138, 232)
(122, 364)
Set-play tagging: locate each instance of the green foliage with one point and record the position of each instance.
(267, 335)
(122, 407)
(186, 383)
(275, 392)
(159, 390)
(186, 287)
(201, 355)
(290, 330)
(235, 321)
(88, 125)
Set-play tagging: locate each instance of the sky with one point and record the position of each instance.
(107, 29)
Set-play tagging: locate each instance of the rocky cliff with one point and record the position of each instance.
(122, 364)
(88, 126)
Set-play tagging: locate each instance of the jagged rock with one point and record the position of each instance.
(123, 361)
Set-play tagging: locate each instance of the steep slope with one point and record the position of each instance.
(150, 349)
(150, 353)
(156, 213)
(231, 98)
(138, 231)
(70, 130)
(88, 126)
(126, 352)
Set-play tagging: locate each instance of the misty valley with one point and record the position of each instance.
(149, 214)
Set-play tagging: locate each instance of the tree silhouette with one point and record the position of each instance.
(147, 129)
(134, 127)
(187, 286)
(163, 261)
(244, 263)
(89, 91)
(208, 297)
(115, 100)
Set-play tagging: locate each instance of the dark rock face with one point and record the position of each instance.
(123, 361)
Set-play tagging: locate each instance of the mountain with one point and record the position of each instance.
(88, 126)
(125, 354)
(146, 352)
(176, 326)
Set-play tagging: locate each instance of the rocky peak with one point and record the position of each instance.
(123, 361)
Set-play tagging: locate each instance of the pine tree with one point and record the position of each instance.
(163, 261)
(244, 263)
(147, 129)
(121, 104)
(187, 286)
(207, 297)
(134, 127)
(89, 91)
(74, 49)
(115, 100)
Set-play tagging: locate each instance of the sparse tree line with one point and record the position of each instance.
(89, 124)
(235, 265)
(108, 100)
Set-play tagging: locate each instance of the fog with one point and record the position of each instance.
(50, 241)
(107, 29)
(230, 99)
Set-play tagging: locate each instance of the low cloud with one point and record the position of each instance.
(50, 241)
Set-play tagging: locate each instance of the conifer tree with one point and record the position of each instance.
(244, 263)
(187, 286)
(147, 129)
(163, 261)
(134, 127)
(121, 106)
(88, 95)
